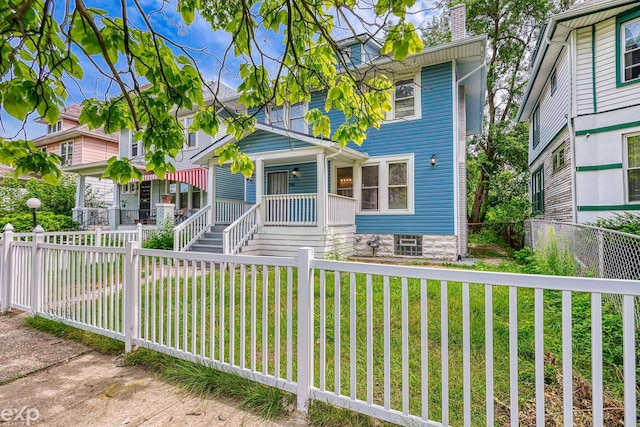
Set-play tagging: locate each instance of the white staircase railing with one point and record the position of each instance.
(342, 210)
(238, 233)
(186, 233)
(290, 209)
(228, 210)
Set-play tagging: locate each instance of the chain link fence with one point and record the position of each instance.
(598, 252)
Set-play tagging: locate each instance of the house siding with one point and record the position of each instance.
(95, 150)
(262, 142)
(433, 134)
(229, 185)
(553, 108)
(609, 95)
(584, 71)
(557, 186)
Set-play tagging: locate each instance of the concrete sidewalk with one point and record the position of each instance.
(62, 383)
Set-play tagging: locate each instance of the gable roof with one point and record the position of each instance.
(556, 32)
(205, 154)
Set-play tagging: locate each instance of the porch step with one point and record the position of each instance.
(196, 247)
(211, 241)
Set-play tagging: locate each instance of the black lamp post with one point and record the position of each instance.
(33, 204)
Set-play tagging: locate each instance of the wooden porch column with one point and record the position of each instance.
(260, 188)
(321, 203)
(211, 190)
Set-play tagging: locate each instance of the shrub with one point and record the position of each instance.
(161, 238)
(23, 222)
(554, 258)
(627, 222)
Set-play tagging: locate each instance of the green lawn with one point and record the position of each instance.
(194, 297)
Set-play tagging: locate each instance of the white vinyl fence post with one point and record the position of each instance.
(139, 228)
(131, 280)
(5, 280)
(305, 322)
(36, 269)
(98, 241)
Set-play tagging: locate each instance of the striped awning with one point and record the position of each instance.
(196, 177)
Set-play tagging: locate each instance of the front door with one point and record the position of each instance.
(277, 182)
(145, 201)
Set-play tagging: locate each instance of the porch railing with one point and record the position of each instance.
(135, 216)
(238, 233)
(341, 210)
(228, 210)
(190, 230)
(290, 209)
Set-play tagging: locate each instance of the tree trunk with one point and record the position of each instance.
(477, 210)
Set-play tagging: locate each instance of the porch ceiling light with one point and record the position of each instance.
(433, 160)
(295, 172)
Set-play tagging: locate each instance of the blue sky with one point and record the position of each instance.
(207, 46)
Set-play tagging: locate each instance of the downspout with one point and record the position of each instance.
(569, 117)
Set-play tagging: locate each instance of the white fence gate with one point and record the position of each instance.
(412, 345)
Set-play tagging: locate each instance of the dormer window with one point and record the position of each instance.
(57, 127)
(288, 116)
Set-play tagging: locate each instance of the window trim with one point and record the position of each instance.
(140, 148)
(185, 123)
(535, 127)
(561, 148)
(417, 100)
(130, 188)
(621, 20)
(57, 127)
(286, 119)
(538, 171)
(553, 82)
(383, 184)
(65, 157)
(625, 150)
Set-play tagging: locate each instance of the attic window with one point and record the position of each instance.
(630, 39)
(57, 127)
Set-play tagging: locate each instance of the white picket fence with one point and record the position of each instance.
(410, 345)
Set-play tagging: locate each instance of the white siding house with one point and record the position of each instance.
(583, 105)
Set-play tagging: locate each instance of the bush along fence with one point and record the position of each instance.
(587, 251)
(411, 345)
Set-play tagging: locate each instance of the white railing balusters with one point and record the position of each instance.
(240, 231)
(228, 312)
(290, 209)
(228, 210)
(190, 230)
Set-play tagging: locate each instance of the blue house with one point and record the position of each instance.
(402, 193)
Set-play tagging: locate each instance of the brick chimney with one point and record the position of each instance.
(458, 22)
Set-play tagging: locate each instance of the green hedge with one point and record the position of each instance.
(23, 222)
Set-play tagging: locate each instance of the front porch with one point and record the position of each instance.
(292, 205)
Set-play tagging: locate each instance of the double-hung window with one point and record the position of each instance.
(288, 116)
(629, 39)
(369, 200)
(405, 100)
(191, 137)
(537, 190)
(633, 167)
(66, 152)
(385, 185)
